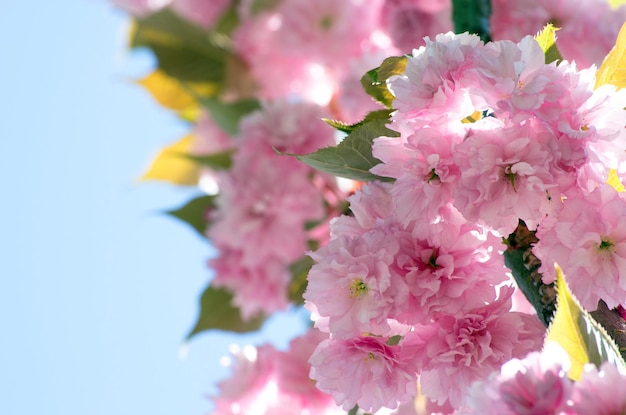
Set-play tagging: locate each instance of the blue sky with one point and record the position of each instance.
(98, 287)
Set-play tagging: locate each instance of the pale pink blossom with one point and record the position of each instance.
(408, 21)
(506, 175)
(581, 38)
(588, 241)
(364, 370)
(266, 381)
(453, 269)
(454, 352)
(437, 81)
(600, 391)
(202, 12)
(535, 385)
(351, 283)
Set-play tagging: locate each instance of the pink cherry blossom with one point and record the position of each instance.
(202, 12)
(588, 241)
(409, 21)
(600, 391)
(506, 175)
(453, 352)
(364, 370)
(437, 80)
(352, 281)
(535, 385)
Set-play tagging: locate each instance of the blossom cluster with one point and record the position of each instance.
(411, 285)
(538, 384)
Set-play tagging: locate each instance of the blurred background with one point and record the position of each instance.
(99, 287)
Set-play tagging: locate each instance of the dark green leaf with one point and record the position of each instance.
(472, 16)
(218, 313)
(352, 158)
(228, 115)
(524, 266)
(195, 213)
(299, 271)
(217, 161)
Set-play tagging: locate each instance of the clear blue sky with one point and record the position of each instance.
(98, 288)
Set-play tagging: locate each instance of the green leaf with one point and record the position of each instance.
(352, 158)
(375, 81)
(547, 40)
(218, 313)
(228, 115)
(584, 340)
(185, 51)
(472, 16)
(299, 271)
(394, 340)
(372, 116)
(195, 213)
(259, 6)
(216, 161)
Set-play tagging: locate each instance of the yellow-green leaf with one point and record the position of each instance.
(169, 92)
(172, 166)
(547, 40)
(614, 180)
(584, 340)
(613, 69)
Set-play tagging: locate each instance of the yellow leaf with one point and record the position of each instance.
(172, 166)
(564, 328)
(614, 181)
(613, 69)
(170, 93)
(547, 40)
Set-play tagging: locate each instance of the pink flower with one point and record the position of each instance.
(437, 80)
(202, 12)
(536, 385)
(365, 371)
(600, 391)
(351, 283)
(588, 241)
(266, 381)
(454, 352)
(409, 21)
(506, 175)
(454, 269)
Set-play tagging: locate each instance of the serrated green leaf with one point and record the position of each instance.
(184, 51)
(352, 158)
(584, 340)
(216, 161)
(371, 116)
(299, 271)
(195, 213)
(228, 115)
(547, 40)
(472, 16)
(519, 247)
(375, 81)
(218, 313)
